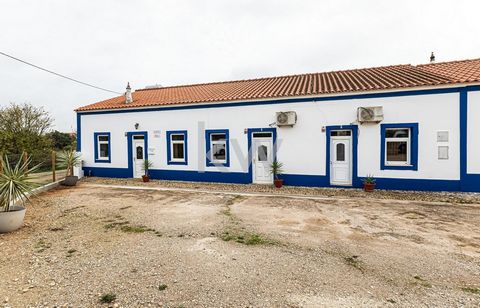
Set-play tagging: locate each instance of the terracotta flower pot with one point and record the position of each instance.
(145, 178)
(278, 183)
(369, 187)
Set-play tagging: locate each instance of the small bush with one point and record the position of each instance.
(162, 287)
(108, 298)
(135, 229)
(471, 290)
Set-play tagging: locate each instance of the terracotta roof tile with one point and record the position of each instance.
(367, 79)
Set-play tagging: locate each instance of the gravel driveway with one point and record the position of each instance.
(152, 248)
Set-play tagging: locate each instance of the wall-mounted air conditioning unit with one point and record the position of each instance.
(287, 118)
(370, 114)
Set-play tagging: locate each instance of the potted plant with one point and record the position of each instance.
(146, 166)
(15, 188)
(369, 183)
(276, 168)
(69, 159)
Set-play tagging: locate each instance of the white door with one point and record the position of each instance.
(138, 156)
(340, 160)
(262, 157)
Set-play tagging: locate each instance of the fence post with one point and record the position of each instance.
(54, 154)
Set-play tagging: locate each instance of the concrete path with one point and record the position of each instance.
(253, 194)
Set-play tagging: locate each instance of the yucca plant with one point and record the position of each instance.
(147, 164)
(69, 159)
(276, 168)
(15, 184)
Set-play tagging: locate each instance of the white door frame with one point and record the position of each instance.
(134, 154)
(270, 153)
(348, 141)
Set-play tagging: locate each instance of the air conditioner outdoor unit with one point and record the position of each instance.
(287, 118)
(370, 114)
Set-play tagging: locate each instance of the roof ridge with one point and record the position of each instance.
(273, 77)
(447, 62)
(317, 83)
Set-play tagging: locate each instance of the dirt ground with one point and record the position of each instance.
(151, 248)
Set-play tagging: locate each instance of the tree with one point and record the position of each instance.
(61, 140)
(23, 127)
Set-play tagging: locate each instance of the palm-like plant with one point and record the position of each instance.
(276, 168)
(69, 159)
(15, 184)
(147, 164)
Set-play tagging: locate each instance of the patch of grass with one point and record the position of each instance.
(235, 232)
(471, 290)
(162, 287)
(70, 252)
(135, 229)
(115, 224)
(55, 229)
(108, 298)
(41, 245)
(421, 281)
(235, 199)
(355, 262)
(244, 237)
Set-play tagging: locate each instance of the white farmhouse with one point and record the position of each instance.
(411, 127)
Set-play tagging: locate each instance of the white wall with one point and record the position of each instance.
(473, 129)
(301, 148)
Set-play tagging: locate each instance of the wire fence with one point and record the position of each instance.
(48, 170)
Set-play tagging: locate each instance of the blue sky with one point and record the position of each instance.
(108, 43)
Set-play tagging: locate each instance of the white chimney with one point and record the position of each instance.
(128, 95)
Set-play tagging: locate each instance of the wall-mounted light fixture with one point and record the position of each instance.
(136, 125)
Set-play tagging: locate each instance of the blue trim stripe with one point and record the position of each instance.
(169, 145)
(463, 133)
(208, 145)
(96, 149)
(79, 132)
(291, 179)
(413, 146)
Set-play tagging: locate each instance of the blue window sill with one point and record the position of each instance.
(102, 160)
(177, 163)
(409, 167)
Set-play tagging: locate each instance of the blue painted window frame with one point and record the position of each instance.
(208, 145)
(169, 147)
(413, 146)
(95, 139)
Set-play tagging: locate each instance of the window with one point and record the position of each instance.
(262, 153)
(177, 147)
(336, 133)
(217, 147)
(399, 146)
(262, 135)
(102, 147)
(340, 152)
(139, 151)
